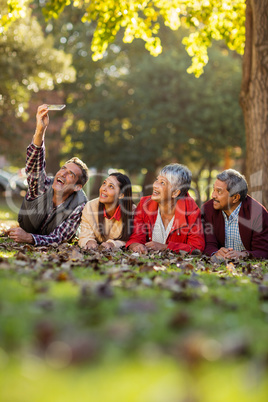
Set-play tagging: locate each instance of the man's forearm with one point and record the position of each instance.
(39, 136)
(64, 232)
(41, 125)
(20, 236)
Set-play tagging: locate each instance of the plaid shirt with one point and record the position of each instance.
(38, 183)
(232, 235)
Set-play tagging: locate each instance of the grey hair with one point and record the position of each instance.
(179, 176)
(236, 182)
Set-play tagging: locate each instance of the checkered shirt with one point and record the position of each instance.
(38, 183)
(232, 235)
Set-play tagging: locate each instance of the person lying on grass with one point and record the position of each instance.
(52, 208)
(107, 220)
(235, 225)
(169, 218)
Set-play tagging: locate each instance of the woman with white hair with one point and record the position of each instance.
(169, 218)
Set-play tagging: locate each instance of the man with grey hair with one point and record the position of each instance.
(169, 218)
(235, 225)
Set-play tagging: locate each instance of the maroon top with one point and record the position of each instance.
(252, 222)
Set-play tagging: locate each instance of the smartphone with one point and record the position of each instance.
(55, 107)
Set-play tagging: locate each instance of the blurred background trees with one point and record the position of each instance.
(29, 63)
(127, 110)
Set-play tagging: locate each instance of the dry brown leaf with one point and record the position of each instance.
(21, 256)
(76, 255)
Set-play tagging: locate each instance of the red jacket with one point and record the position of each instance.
(186, 233)
(252, 223)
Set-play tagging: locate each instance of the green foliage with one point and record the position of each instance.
(128, 102)
(132, 111)
(208, 20)
(12, 10)
(54, 8)
(28, 63)
(213, 20)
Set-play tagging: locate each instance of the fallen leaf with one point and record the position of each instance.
(186, 266)
(76, 255)
(21, 256)
(217, 259)
(147, 282)
(159, 268)
(45, 332)
(84, 349)
(231, 268)
(104, 290)
(62, 276)
(263, 292)
(137, 305)
(179, 320)
(146, 268)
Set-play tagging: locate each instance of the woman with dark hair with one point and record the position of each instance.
(107, 220)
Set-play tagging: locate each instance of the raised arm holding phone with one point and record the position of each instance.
(52, 208)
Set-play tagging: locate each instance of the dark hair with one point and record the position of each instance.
(236, 182)
(126, 205)
(83, 178)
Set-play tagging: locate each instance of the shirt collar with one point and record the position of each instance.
(234, 214)
(116, 215)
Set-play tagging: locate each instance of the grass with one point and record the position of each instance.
(9, 208)
(154, 380)
(112, 327)
(152, 335)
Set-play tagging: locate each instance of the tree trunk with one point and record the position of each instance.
(97, 182)
(197, 197)
(147, 186)
(195, 179)
(254, 98)
(209, 187)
